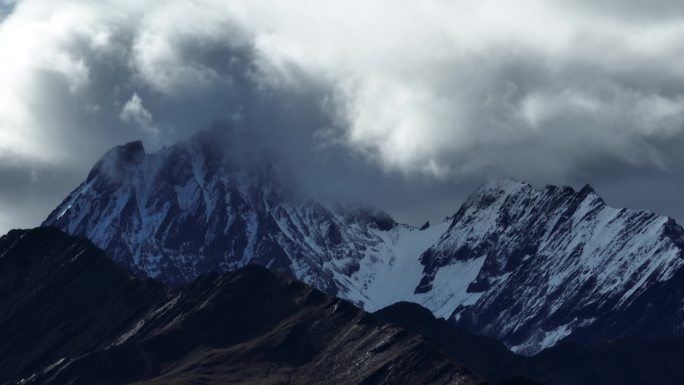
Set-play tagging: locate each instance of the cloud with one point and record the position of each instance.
(428, 97)
(134, 112)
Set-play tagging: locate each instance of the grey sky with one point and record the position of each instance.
(407, 105)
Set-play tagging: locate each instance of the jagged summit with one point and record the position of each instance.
(131, 151)
(115, 163)
(214, 202)
(587, 190)
(498, 187)
(500, 183)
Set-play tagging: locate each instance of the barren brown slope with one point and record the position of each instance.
(247, 326)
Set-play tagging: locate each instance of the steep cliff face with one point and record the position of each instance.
(529, 266)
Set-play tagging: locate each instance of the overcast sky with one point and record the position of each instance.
(409, 104)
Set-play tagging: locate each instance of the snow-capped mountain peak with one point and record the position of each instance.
(118, 161)
(529, 266)
(556, 261)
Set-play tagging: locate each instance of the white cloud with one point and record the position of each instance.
(443, 86)
(549, 91)
(134, 112)
(440, 87)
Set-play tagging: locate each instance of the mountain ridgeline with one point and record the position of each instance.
(623, 362)
(528, 266)
(69, 315)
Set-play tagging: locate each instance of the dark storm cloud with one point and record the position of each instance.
(407, 107)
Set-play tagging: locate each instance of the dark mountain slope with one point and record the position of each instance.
(253, 327)
(69, 310)
(623, 362)
(61, 296)
(483, 355)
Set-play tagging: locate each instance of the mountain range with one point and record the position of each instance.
(528, 266)
(69, 315)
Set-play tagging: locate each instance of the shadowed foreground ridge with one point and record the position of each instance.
(70, 315)
(621, 362)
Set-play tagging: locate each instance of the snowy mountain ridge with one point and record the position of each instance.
(528, 266)
(557, 262)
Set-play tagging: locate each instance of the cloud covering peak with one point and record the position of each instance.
(423, 92)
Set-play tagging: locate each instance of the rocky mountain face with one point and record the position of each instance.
(210, 205)
(69, 315)
(528, 266)
(560, 264)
